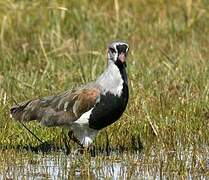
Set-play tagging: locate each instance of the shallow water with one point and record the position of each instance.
(143, 165)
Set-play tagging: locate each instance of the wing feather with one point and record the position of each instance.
(58, 110)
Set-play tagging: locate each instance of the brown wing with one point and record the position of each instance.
(58, 110)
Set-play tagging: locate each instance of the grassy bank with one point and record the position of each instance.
(50, 46)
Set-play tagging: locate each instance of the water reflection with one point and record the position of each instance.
(150, 164)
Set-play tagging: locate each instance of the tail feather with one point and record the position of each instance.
(17, 112)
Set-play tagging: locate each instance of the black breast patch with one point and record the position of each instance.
(108, 110)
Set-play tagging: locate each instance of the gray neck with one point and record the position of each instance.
(111, 80)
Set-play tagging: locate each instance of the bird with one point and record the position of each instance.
(87, 109)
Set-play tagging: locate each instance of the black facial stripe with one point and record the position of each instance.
(112, 50)
(121, 48)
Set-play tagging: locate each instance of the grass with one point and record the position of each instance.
(50, 46)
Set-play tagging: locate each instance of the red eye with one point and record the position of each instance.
(112, 50)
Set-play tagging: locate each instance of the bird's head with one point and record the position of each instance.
(117, 53)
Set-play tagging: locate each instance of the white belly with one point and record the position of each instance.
(82, 131)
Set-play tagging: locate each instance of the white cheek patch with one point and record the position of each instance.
(116, 56)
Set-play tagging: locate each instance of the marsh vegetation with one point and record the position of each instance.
(50, 46)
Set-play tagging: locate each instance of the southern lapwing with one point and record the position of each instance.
(87, 109)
